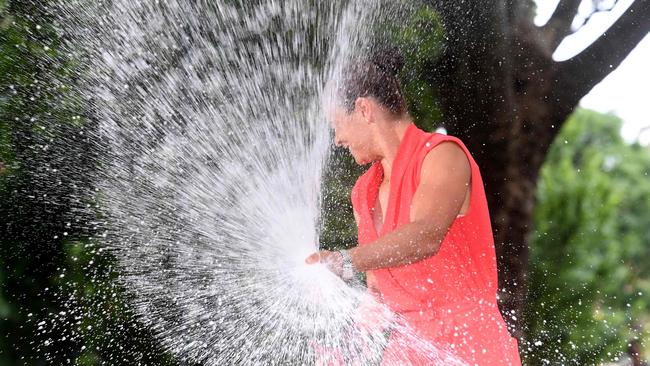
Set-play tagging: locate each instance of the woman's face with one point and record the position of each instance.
(354, 132)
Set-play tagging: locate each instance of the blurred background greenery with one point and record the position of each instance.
(587, 278)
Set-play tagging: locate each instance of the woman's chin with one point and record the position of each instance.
(361, 161)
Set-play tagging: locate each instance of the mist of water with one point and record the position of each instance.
(213, 142)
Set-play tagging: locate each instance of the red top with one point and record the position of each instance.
(462, 277)
(465, 266)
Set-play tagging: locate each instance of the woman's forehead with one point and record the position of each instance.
(339, 115)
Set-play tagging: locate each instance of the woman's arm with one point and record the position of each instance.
(444, 181)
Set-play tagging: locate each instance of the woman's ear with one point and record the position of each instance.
(362, 105)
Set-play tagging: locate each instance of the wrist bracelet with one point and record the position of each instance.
(348, 267)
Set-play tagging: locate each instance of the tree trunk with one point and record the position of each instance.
(505, 97)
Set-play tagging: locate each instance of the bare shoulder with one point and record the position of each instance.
(446, 159)
(444, 181)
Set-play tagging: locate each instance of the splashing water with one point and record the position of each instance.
(213, 143)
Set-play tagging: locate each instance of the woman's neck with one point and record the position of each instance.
(390, 142)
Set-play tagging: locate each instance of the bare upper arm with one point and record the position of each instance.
(444, 180)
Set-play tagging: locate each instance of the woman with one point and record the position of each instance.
(425, 239)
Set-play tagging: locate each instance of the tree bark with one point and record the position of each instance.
(506, 98)
(559, 25)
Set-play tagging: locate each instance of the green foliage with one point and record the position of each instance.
(589, 284)
(421, 40)
(338, 227)
(105, 329)
(55, 308)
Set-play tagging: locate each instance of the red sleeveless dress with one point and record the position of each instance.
(448, 299)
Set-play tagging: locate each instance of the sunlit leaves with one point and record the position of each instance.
(588, 282)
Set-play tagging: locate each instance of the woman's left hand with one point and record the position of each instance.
(332, 260)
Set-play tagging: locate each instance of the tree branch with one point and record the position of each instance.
(578, 75)
(559, 25)
(595, 10)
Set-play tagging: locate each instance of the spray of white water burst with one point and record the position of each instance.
(213, 142)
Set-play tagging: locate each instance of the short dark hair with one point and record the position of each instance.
(374, 76)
